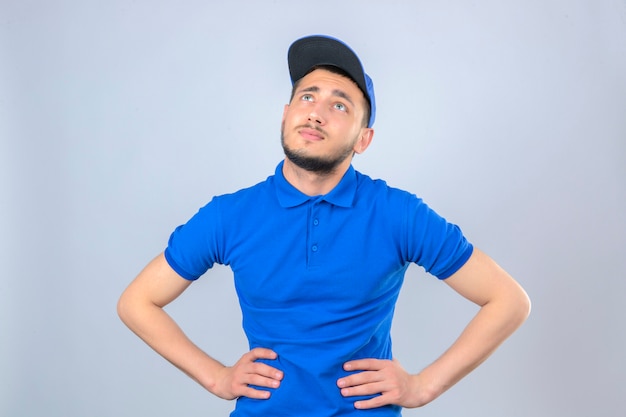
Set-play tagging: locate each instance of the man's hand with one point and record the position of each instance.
(233, 381)
(384, 377)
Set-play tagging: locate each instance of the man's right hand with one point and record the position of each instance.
(234, 381)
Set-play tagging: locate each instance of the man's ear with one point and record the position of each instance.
(367, 134)
(285, 111)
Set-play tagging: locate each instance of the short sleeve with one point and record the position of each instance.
(192, 248)
(434, 243)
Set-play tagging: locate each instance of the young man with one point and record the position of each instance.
(319, 252)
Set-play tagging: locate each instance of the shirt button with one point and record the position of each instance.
(316, 222)
(314, 248)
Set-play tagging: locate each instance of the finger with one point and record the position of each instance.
(376, 402)
(261, 353)
(362, 389)
(361, 378)
(256, 394)
(364, 365)
(266, 371)
(263, 381)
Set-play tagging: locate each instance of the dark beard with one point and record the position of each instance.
(315, 164)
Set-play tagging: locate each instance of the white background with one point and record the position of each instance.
(119, 119)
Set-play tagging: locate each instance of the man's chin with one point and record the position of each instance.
(317, 165)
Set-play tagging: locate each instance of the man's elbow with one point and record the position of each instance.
(122, 307)
(521, 306)
(125, 306)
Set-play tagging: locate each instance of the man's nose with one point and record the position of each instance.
(316, 115)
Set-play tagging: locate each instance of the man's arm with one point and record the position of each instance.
(141, 308)
(504, 306)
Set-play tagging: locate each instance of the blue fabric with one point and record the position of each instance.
(317, 277)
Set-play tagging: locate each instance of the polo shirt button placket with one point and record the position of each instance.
(314, 247)
(314, 231)
(316, 222)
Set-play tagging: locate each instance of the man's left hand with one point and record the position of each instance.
(383, 377)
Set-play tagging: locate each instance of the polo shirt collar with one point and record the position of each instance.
(289, 196)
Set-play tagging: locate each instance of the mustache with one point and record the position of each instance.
(313, 127)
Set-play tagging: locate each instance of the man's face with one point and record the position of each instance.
(323, 125)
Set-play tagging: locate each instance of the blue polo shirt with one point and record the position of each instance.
(317, 277)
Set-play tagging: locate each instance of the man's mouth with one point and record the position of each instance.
(311, 133)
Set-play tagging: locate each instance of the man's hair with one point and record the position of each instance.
(339, 71)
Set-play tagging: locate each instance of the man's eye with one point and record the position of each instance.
(307, 97)
(340, 107)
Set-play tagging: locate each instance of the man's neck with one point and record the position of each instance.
(312, 183)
